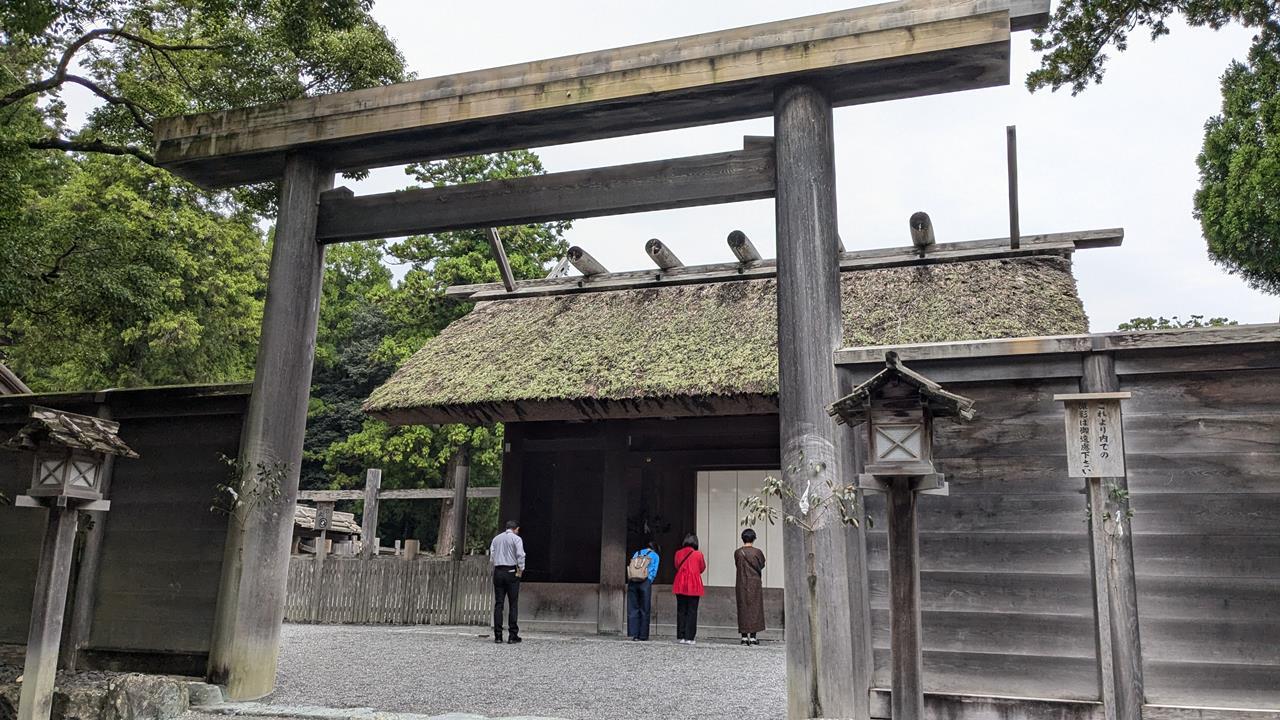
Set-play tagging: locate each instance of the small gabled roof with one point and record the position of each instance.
(79, 432)
(852, 408)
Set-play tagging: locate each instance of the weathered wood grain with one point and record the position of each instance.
(965, 251)
(1266, 334)
(894, 50)
(369, 516)
(251, 603)
(396, 494)
(975, 673)
(904, 602)
(820, 652)
(47, 607)
(639, 187)
(939, 706)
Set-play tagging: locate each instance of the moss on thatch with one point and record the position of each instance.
(716, 339)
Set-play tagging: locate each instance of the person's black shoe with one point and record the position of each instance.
(497, 639)
(514, 639)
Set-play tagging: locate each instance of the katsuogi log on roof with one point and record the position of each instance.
(699, 349)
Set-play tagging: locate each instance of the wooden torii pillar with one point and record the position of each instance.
(255, 564)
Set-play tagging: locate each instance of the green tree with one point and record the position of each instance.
(1238, 202)
(117, 273)
(368, 327)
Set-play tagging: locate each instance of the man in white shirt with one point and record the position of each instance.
(506, 554)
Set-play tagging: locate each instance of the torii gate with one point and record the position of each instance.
(795, 70)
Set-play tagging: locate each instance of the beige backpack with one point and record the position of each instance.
(638, 568)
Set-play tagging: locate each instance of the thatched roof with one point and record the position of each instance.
(700, 349)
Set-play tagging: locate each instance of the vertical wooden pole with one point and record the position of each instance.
(512, 474)
(86, 581)
(47, 608)
(904, 603)
(1114, 574)
(246, 638)
(323, 509)
(852, 442)
(369, 520)
(1015, 232)
(820, 650)
(611, 618)
(461, 477)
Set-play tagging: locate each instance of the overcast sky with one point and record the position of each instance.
(1121, 154)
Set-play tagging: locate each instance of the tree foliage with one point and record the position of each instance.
(1174, 323)
(369, 325)
(1238, 202)
(148, 60)
(1079, 32)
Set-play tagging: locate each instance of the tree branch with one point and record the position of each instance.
(111, 34)
(97, 146)
(135, 109)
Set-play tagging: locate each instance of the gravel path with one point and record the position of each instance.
(434, 670)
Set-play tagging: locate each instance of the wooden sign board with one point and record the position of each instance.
(1095, 434)
(324, 516)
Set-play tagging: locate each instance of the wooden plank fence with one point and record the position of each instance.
(390, 591)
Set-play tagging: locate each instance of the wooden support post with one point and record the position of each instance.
(85, 593)
(324, 518)
(1099, 550)
(47, 608)
(512, 474)
(369, 519)
(461, 478)
(1113, 569)
(853, 449)
(500, 256)
(246, 636)
(612, 615)
(904, 602)
(1015, 234)
(820, 654)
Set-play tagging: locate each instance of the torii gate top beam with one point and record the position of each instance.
(879, 52)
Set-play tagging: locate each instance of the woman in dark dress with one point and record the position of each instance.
(750, 588)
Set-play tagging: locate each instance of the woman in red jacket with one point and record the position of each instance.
(690, 564)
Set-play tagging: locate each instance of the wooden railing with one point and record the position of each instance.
(390, 590)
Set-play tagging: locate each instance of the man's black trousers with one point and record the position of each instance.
(506, 587)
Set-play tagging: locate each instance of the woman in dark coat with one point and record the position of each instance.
(749, 588)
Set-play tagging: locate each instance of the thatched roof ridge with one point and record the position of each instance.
(594, 354)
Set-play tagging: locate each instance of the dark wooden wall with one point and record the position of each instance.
(1204, 450)
(1005, 580)
(162, 550)
(561, 467)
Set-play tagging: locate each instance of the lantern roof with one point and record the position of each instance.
(852, 408)
(71, 430)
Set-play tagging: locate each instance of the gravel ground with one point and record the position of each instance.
(434, 670)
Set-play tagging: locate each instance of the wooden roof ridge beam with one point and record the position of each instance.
(661, 255)
(967, 251)
(709, 179)
(888, 51)
(582, 260)
(742, 247)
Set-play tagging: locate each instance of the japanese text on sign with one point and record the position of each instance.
(1095, 443)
